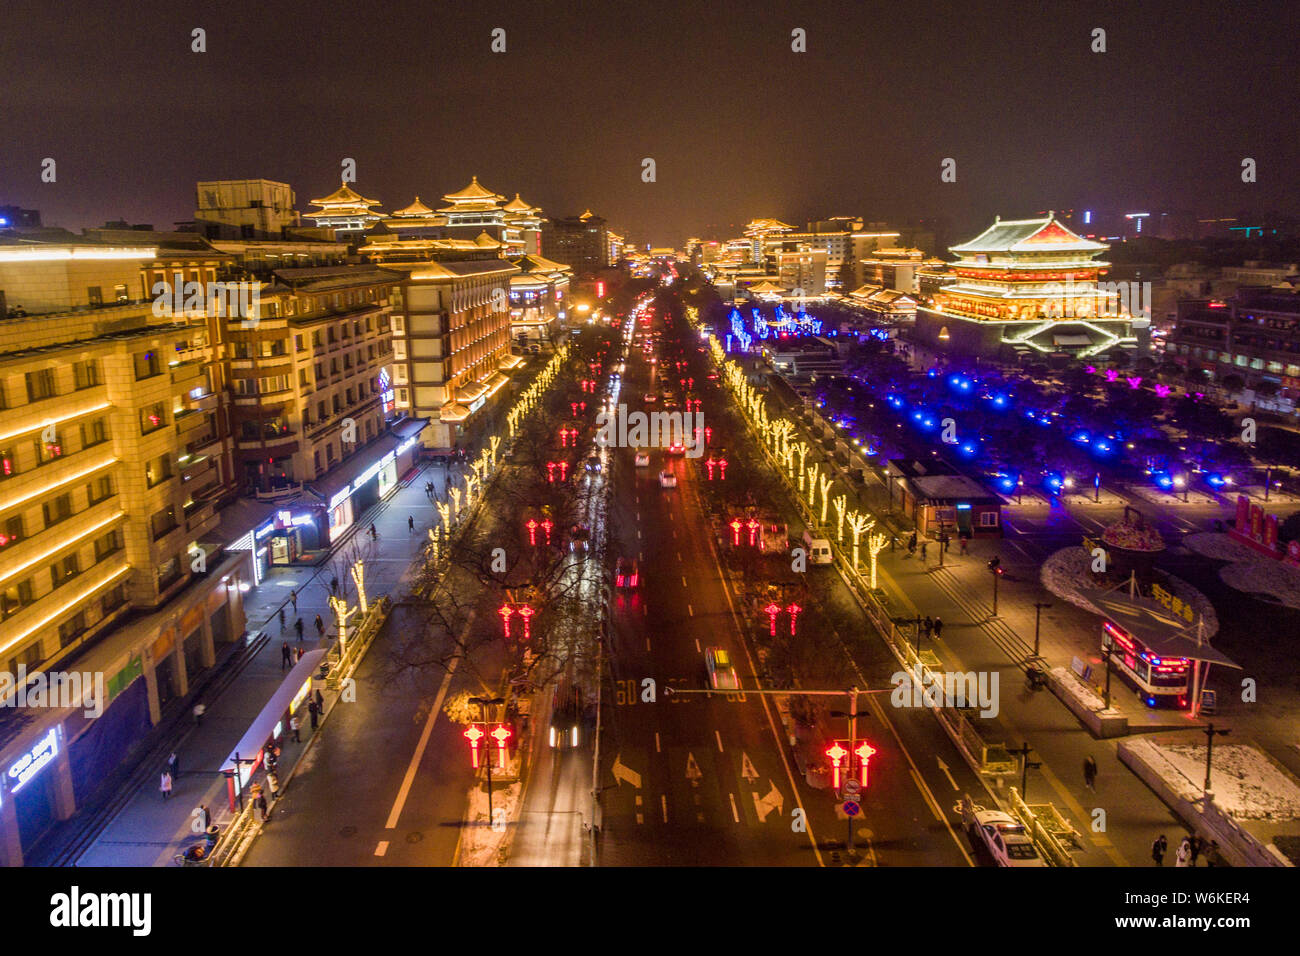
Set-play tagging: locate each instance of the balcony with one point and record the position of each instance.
(187, 371)
(187, 419)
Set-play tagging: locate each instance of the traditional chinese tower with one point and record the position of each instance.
(1029, 286)
(345, 211)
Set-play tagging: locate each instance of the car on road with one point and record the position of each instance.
(650, 398)
(579, 538)
(722, 673)
(566, 716)
(667, 479)
(676, 448)
(593, 464)
(1005, 839)
(626, 573)
(642, 460)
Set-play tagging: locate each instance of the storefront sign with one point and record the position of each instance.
(367, 475)
(406, 445)
(266, 529)
(34, 761)
(341, 497)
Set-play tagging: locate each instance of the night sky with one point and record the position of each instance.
(739, 126)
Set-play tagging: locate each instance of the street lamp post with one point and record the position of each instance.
(1210, 734)
(1038, 613)
(484, 703)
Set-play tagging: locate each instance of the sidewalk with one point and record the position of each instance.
(149, 831)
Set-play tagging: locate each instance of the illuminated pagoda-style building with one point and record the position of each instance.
(344, 211)
(1029, 286)
(538, 298)
(524, 236)
(475, 210)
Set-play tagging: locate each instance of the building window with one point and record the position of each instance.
(988, 519)
(168, 572)
(15, 597)
(93, 433)
(86, 374)
(13, 530)
(147, 365)
(158, 470)
(95, 295)
(48, 451)
(110, 543)
(99, 489)
(65, 570)
(112, 600)
(57, 509)
(162, 522)
(40, 385)
(153, 418)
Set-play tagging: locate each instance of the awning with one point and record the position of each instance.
(409, 428)
(469, 393)
(454, 412)
(341, 478)
(495, 381)
(511, 361)
(1165, 633)
(260, 730)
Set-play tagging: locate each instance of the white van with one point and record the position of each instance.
(819, 549)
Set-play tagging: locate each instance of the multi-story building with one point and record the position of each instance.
(803, 271)
(893, 268)
(1025, 286)
(580, 242)
(539, 298)
(451, 343)
(109, 559)
(345, 211)
(244, 209)
(1254, 335)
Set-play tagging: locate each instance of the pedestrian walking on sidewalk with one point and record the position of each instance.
(1212, 857)
(299, 657)
(273, 782)
(173, 765)
(293, 596)
(374, 535)
(938, 628)
(281, 620)
(295, 725)
(924, 547)
(314, 712)
(334, 584)
(410, 524)
(911, 544)
(964, 545)
(320, 626)
(165, 785)
(1090, 773)
(205, 817)
(929, 625)
(297, 626)
(199, 710)
(285, 656)
(1184, 857)
(320, 702)
(1158, 849)
(260, 802)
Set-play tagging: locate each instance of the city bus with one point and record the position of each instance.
(1162, 682)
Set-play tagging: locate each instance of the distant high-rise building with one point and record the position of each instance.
(16, 217)
(580, 242)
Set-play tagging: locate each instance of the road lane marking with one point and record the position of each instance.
(718, 735)
(679, 556)
(735, 814)
(382, 848)
(690, 611)
(434, 711)
(647, 644)
(657, 747)
(747, 769)
(698, 649)
(684, 584)
(663, 804)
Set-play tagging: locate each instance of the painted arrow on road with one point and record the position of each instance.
(622, 773)
(943, 767)
(747, 768)
(692, 768)
(773, 801)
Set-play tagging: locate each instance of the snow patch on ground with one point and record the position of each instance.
(481, 844)
(1068, 570)
(1269, 577)
(1220, 547)
(1072, 684)
(1246, 784)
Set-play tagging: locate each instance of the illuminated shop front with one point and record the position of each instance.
(367, 479)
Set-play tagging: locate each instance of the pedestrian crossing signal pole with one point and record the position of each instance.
(1025, 766)
(995, 566)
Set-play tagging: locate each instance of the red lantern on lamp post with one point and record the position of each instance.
(864, 751)
(837, 755)
(547, 525)
(501, 733)
(532, 531)
(773, 609)
(722, 465)
(736, 525)
(506, 611)
(794, 610)
(475, 734)
(526, 612)
(753, 527)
